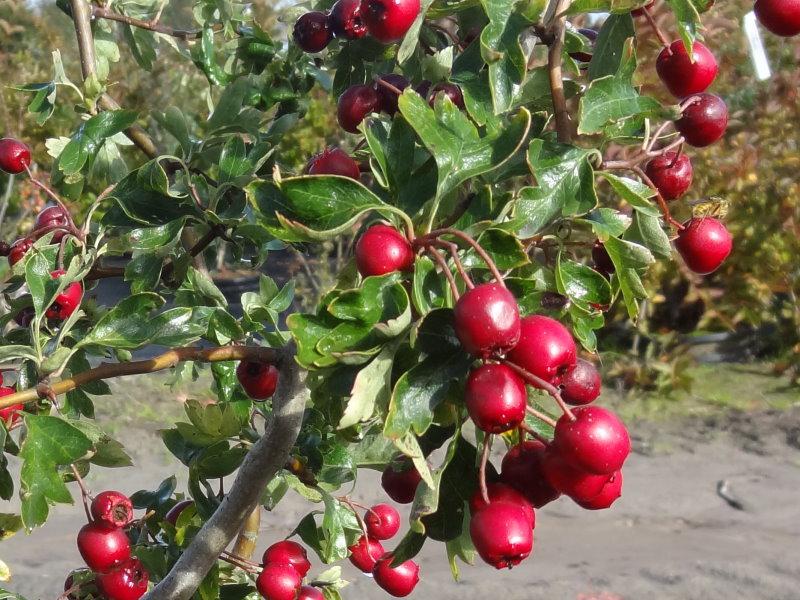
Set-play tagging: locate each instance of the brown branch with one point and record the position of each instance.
(100, 12)
(563, 121)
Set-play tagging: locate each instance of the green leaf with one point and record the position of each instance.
(11, 352)
(233, 162)
(584, 286)
(51, 443)
(372, 387)
(91, 135)
(504, 248)
(154, 238)
(630, 261)
(142, 204)
(633, 192)
(647, 231)
(609, 45)
(607, 222)
(339, 529)
(612, 6)
(502, 51)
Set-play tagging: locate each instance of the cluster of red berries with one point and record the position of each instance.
(106, 549)
(10, 415)
(284, 565)
(385, 20)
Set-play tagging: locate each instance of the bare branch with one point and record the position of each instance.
(563, 122)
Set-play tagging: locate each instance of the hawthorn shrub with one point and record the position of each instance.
(483, 268)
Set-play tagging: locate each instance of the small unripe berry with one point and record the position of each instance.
(346, 20)
(259, 379)
(486, 320)
(333, 161)
(596, 441)
(382, 521)
(364, 554)
(279, 582)
(671, 173)
(502, 534)
(704, 243)
(382, 249)
(496, 398)
(112, 508)
(288, 552)
(102, 546)
(581, 384)
(401, 483)
(14, 156)
(685, 75)
(312, 32)
(397, 581)
(545, 348)
(704, 120)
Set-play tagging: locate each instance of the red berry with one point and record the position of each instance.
(684, 75)
(364, 554)
(502, 534)
(704, 243)
(52, 218)
(397, 581)
(287, 552)
(486, 320)
(389, 20)
(382, 249)
(10, 414)
(388, 97)
(346, 20)
(781, 17)
(25, 316)
(355, 103)
(607, 496)
(596, 441)
(581, 384)
(578, 485)
(401, 483)
(112, 508)
(279, 582)
(704, 120)
(585, 57)
(333, 161)
(500, 492)
(68, 301)
(258, 379)
(172, 516)
(602, 261)
(309, 592)
(496, 398)
(545, 348)
(102, 546)
(14, 156)
(126, 582)
(423, 87)
(382, 521)
(450, 90)
(639, 12)
(312, 33)
(18, 250)
(671, 173)
(522, 470)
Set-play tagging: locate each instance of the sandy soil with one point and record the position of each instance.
(671, 536)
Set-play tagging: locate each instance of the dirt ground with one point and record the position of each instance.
(671, 536)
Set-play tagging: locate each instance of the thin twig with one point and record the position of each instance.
(436, 233)
(659, 34)
(563, 121)
(445, 270)
(487, 447)
(100, 12)
(659, 198)
(542, 384)
(541, 416)
(453, 249)
(85, 494)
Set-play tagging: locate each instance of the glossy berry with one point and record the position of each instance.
(68, 301)
(279, 582)
(126, 582)
(10, 414)
(52, 218)
(172, 515)
(18, 250)
(397, 581)
(486, 320)
(364, 554)
(287, 552)
(607, 496)
(596, 441)
(112, 508)
(312, 32)
(259, 379)
(102, 546)
(355, 103)
(781, 17)
(575, 483)
(401, 483)
(502, 534)
(346, 20)
(309, 592)
(671, 173)
(14, 156)
(382, 249)
(449, 90)
(333, 161)
(685, 75)
(601, 259)
(704, 120)
(581, 384)
(387, 96)
(545, 348)
(382, 521)
(591, 35)
(704, 243)
(496, 398)
(522, 470)
(500, 492)
(389, 20)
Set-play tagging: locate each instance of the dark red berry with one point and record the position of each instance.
(596, 441)
(382, 521)
(25, 316)
(52, 218)
(486, 320)
(172, 516)
(496, 398)
(704, 120)
(602, 261)
(575, 483)
(545, 348)
(14, 156)
(397, 581)
(553, 300)
(102, 546)
(401, 483)
(355, 103)
(10, 414)
(591, 35)
(671, 173)
(112, 508)
(333, 161)
(259, 379)
(449, 90)
(126, 582)
(364, 554)
(382, 249)
(607, 496)
(502, 534)
(781, 17)
(289, 553)
(581, 384)
(704, 243)
(5, 248)
(387, 96)
(346, 20)
(423, 87)
(309, 592)
(500, 492)
(685, 75)
(279, 582)
(18, 250)
(312, 33)
(389, 20)
(522, 470)
(68, 301)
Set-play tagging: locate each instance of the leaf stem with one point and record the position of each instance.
(542, 384)
(487, 447)
(445, 270)
(659, 34)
